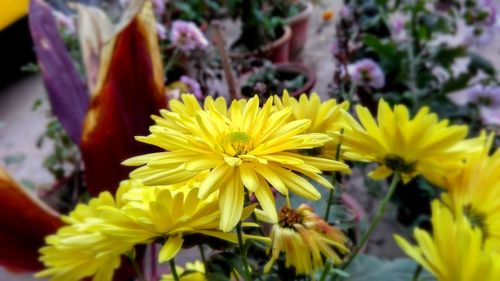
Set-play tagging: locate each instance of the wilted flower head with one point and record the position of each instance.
(305, 239)
(187, 36)
(366, 73)
(64, 22)
(193, 86)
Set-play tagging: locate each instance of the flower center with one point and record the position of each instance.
(237, 143)
(397, 163)
(287, 217)
(476, 219)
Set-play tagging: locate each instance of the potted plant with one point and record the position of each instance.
(295, 13)
(271, 79)
(261, 35)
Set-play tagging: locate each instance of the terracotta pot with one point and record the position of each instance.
(277, 51)
(294, 67)
(307, 71)
(299, 25)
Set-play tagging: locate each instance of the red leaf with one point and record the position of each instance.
(128, 90)
(24, 223)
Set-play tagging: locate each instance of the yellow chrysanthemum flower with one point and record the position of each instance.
(421, 145)
(162, 213)
(475, 192)
(248, 147)
(100, 232)
(79, 249)
(305, 239)
(195, 272)
(325, 117)
(455, 251)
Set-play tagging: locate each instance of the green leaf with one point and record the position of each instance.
(477, 62)
(385, 49)
(371, 268)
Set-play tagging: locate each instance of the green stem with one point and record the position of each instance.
(202, 254)
(242, 252)
(174, 270)
(172, 60)
(256, 220)
(334, 176)
(329, 204)
(326, 270)
(137, 270)
(417, 272)
(376, 219)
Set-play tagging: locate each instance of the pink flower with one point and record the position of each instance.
(193, 85)
(187, 36)
(161, 31)
(159, 7)
(366, 73)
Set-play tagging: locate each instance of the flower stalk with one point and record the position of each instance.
(376, 219)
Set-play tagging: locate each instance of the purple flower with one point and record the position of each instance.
(193, 85)
(366, 73)
(398, 25)
(64, 22)
(479, 35)
(159, 7)
(187, 36)
(490, 116)
(486, 96)
(346, 13)
(487, 8)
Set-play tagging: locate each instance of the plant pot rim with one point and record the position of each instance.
(287, 34)
(300, 16)
(302, 68)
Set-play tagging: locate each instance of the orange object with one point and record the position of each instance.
(328, 15)
(11, 11)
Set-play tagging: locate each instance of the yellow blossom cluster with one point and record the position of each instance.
(214, 157)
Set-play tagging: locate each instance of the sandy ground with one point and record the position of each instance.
(20, 126)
